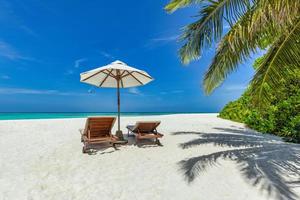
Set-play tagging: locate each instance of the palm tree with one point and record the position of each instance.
(254, 24)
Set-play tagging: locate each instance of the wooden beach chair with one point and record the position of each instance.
(98, 130)
(145, 130)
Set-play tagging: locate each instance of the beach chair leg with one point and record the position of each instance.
(158, 142)
(84, 148)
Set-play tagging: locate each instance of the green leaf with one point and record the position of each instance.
(173, 5)
(209, 28)
(282, 59)
(236, 46)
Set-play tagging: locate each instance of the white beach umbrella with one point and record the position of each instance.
(116, 75)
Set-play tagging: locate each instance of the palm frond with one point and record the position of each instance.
(281, 11)
(254, 24)
(281, 59)
(173, 5)
(236, 46)
(209, 27)
(257, 28)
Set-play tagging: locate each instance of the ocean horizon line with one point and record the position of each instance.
(68, 115)
(113, 112)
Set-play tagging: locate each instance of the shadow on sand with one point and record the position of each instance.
(101, 149)
(142, 143)
(264, 160)
(106, 148)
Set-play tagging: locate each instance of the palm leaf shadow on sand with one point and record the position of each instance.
(264, 160)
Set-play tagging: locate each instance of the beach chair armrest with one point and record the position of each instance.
(159, 134)
(113, 137)
(81, 131)
(84, 138)
(130, 127)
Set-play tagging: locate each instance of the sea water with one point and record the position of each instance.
(17, 116)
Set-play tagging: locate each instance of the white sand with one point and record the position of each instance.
(42, 159)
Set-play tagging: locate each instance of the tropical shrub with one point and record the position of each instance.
(237, 110)
(280, 117)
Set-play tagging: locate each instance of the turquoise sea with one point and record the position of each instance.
(17, 116)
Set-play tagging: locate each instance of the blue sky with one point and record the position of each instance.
(45, 45)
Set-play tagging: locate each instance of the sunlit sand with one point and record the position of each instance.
(202, 157)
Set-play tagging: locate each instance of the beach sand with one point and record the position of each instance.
(202, 157)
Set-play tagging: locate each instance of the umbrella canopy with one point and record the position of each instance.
(108, 76)
(116, 75)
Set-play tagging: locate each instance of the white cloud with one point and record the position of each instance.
(165, 39)
(107, 55)
(135, 91)
(28, 91)
(77, 63)
(171, 92)
(8, 52)
(69, 72)
(154, 42)
(176, 91)
(5, 77)
(29, 31)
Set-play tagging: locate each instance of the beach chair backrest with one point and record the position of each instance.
(146, 127)
(99, 126)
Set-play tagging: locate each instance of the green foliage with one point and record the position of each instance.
(258, 62)
(273, 25)
(280, 117)
(237, 110)
(263, 122)
(176, 4)
(272, 102)
(281, 60)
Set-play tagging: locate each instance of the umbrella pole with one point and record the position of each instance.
(119, 132)
(118, 105)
